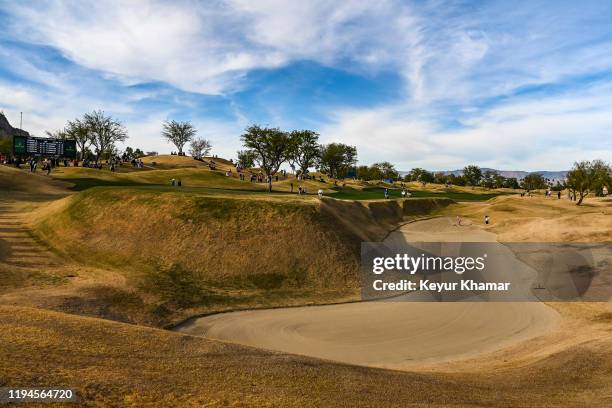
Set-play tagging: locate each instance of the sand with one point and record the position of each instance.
(397, 335)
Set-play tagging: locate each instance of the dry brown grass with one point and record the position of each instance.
(539, 219)
(114, 364)
(182, 253)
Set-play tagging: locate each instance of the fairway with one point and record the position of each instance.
(378, 193)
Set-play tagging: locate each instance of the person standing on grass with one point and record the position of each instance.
(320, 193)
(291, 184)
(458, 221)
(386, 193)
(558, 195)
(486, 219)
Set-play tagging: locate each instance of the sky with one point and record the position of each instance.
(512, 85)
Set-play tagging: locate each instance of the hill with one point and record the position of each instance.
(7, 131)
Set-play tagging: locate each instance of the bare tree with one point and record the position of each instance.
(104, 131)
(178, 133)
(57, 134)
(78, 130)
(200, 147)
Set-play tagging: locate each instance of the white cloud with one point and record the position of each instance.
(548, 134)
(452, 57)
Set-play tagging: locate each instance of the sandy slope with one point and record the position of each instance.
(400, 335)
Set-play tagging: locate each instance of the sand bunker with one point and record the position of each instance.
(399, 335)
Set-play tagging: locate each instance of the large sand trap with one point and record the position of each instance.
(398, 335)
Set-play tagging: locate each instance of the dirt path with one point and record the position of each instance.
(399, 335)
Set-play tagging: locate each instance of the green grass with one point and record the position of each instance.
(377, 193)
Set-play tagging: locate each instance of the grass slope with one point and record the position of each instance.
(540, 219)
(118, 365)
(182, 250)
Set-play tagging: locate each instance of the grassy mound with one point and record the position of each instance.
(84, 178)
(14, 180)
(540, 219)
(189, 250)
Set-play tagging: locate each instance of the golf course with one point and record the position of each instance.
(136, 292)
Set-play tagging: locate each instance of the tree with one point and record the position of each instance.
(304, 149)
(419, 174)
(178, 133)
(472, 175)
(534, 181)
(57, 134)
(246, 158)
(441, 178)
(488, 178)
(457, 180)
(271, 147)
(199, 148)
(387, 171)
(588, 176)
(511, 182)
(499, 181)
(78, 130)
(336, 159)
(104, 132)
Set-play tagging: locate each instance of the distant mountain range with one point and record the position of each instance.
(518, 174)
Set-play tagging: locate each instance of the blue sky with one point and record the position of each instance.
(435, 84)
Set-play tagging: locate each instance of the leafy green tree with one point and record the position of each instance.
(178, 133)
(336, 159)
(472, 175)
(511, 182)
(199, 148)
(363, 173)
(457, 180)
(304, 149)
(387, 170)
(587, 176)
(499, 181)
(534, 181)
(104, 132)
(421, 175)
(488, 179)
(271, 147)
(246, 158)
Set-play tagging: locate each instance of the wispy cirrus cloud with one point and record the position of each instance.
(488, 75)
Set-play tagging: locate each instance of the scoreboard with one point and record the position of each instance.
(40, 146)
